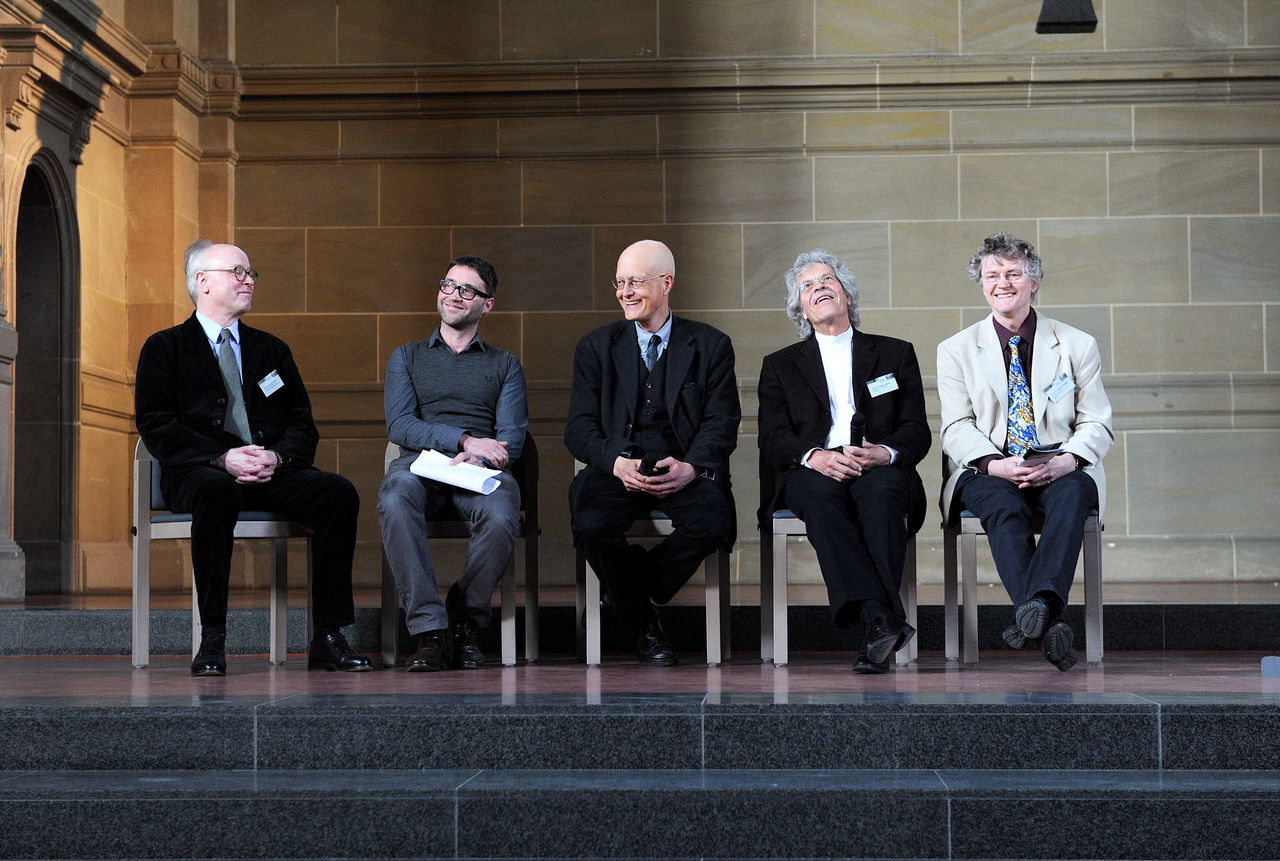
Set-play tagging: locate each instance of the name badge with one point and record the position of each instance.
(882, 385)
(270, 384)
(1059, 388)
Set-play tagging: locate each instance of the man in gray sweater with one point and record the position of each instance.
(464, 398)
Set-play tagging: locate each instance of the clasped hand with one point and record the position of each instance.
(250, 464)
(678, 474)
(480, 451)
(1039, 475)
(850, 462)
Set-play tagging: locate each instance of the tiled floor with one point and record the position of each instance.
(1218, 674)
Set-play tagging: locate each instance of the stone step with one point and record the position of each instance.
(661, 813)
(1209, 627)
(1076, 731)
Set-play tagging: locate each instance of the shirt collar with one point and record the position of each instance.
(476, 343)
(1027, 331)
(213, 330)
(643, 335)
(844, 338)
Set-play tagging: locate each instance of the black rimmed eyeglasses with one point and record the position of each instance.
(466, 291)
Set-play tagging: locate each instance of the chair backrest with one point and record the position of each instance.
(157, 502)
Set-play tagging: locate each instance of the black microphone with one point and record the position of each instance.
(857, 425)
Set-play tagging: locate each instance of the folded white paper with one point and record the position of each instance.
(435, 466)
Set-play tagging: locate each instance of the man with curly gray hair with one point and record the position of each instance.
(842, 427)
(1012, 383)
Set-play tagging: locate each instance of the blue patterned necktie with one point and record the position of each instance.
(1022, 421)
(651, 352)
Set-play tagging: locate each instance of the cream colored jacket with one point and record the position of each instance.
(973, 386)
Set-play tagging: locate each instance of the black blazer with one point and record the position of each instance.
(701, 389)
(180, 399)
(795, 412)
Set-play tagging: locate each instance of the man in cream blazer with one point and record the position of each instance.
(983, 440)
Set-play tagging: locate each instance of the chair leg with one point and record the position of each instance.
(580, 604)
(142, 597)
(907, 592)
(311, 622)
(1093, 591)
(390, 617)
(766, 598)
(725, 570)
(508, 622)
(531, 598)
(969, 575)
(592, 586)
(951, 610)
(716, 580)
(779, 590)
(195, 619)
(279, 600)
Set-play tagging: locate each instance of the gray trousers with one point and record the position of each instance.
(405, 503)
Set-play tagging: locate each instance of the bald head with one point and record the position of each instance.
(650, 255)
(646, 272)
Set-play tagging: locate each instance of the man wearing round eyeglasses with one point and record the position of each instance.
(1013, 382)
(654, 415)
(223, 409)
(458, 395)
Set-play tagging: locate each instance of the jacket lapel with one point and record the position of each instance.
(991, 358)
(864, 360)
(1044, 366)
(810, 366)
(680, 354)
(196, 345)
(626, 362)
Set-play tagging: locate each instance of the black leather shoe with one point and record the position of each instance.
(466, 651)
(211, 659)
(1032, 617)
(654, 648)
(886, 635)
(1057, 646)
(863, 664)
(330, 651)
(432, 653)
(1013, 637)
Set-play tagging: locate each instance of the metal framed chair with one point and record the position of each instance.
(716, 583)
(773, 589)
(525, 471)
(152, 521)
(775, 528)
(965, 531)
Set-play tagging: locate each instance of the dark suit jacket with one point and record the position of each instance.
(701, 388)
(795, 411)
(180, 398)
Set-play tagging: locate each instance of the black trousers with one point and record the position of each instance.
(858, 530)
(324, 502)
(1025, 566)
(602, 510)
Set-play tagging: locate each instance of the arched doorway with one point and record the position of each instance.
(44, 383)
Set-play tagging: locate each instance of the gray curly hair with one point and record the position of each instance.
(1008, 247)
(843, 273)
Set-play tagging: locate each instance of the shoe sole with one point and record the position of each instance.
(1032, 617)
(870, 670)
(664, 663)
(878, 651)
(331, 668)
(208, 673)
(423, 668)
(1058, 646)
(1013, 638)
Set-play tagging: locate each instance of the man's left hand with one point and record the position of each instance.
(1054, 467)
(868, 456)
(678, 474)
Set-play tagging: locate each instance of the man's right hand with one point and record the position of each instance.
(834, 464)
(627, 470)
(475, 448)
(1011, 469)
(250, 464)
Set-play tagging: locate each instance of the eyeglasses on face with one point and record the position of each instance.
(633, 282)
(237, 272)
(466, 291)
(1013, 276)
(827, 280)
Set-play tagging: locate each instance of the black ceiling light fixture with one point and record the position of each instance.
(1067, 16)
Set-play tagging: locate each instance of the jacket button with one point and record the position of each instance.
(222, 400)
(217, 423)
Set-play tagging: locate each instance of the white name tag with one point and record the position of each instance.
(882, 385)
(1059, 388)
(270, 384)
